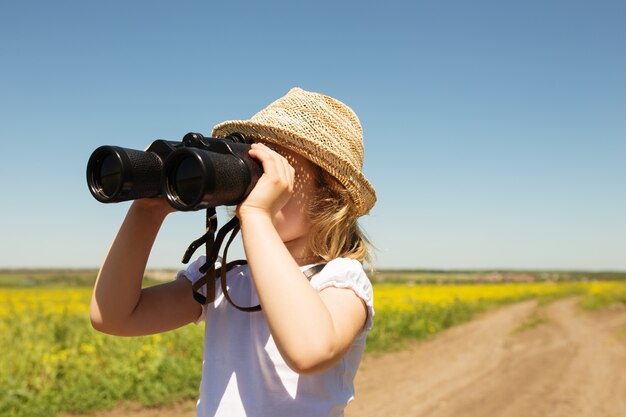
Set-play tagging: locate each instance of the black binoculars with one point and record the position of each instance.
(193, 174)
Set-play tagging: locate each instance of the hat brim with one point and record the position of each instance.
(351, 177)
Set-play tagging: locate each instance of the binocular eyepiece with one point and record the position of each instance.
(192, 174)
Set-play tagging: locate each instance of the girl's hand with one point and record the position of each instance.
(157, 207)
(275, 186)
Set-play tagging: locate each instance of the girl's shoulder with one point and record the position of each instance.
(345, 269)
(342, 272)
(347, 273)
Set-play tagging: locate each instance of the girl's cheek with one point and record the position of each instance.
(290, 223)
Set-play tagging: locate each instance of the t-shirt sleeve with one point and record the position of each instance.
(348, 273)
(193, 274)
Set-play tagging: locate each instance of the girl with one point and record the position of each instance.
(299, 355)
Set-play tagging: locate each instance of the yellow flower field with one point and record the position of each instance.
(405, 312)
(44, 300)
(53, 361)
(404, 297)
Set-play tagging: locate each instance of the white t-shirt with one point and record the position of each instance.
(243, 374)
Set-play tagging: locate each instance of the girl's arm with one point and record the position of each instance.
(119, 305)
(312, 329)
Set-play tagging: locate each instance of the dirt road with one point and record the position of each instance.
(521, 360)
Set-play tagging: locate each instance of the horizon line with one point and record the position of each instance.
(377, 269)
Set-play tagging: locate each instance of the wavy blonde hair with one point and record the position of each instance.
(335, 232)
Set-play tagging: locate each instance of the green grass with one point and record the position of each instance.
(393, 329)
(53, 363)
(535, 319)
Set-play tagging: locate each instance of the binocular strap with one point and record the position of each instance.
(213, 244)
(208, 269)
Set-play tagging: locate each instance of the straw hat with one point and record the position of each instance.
(318, 127)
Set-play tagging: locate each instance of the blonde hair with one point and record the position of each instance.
(335, 232)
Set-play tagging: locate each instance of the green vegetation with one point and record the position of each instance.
(536, 318)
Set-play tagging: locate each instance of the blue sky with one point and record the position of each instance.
(495, 131)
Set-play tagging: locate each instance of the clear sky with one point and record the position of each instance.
(495, 131)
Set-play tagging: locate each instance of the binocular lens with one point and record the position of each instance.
(117, 174)
(193, 174)
(188, 180)
(109, 175)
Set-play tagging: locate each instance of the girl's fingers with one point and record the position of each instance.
(271, 167)
(262, 154)
(275, 186)
(274, 164)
